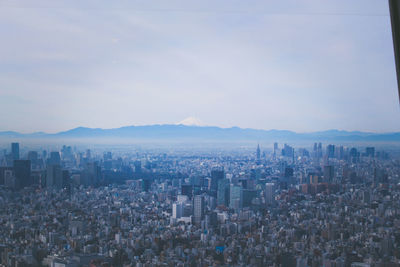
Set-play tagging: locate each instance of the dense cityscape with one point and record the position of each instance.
(326, 205)
(200, 133)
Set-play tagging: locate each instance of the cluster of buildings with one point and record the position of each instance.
(324, 206)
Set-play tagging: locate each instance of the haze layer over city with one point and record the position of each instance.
(198, 133)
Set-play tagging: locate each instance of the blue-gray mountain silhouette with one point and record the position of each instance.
(183, 132)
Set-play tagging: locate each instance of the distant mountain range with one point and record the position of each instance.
(206, 133)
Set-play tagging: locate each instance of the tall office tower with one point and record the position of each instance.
(329, 173)
(269, 194)
(146, 185)
(15, 151)
(319, 150)
(223, 192)
(235, 197)
(198, 209)
(34, 158)
(330, 151)
(138, 166)
(22, 173)
(315, 153)
(354, 155)
(177, 210)
(287, 151)
(54, 176)
(216, 175)
(44, 155)
(88, 154)
(54, 159)
(107, 156)
(370, 152)
(275, 148)
(91, 174)
(258, 152)
(187, 190)
(9, 178)
(248, 183)
(341, 152)
(247, 197)
(182, 198)
(289, 171)
(2, 174)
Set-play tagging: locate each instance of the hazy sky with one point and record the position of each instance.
(301, 65)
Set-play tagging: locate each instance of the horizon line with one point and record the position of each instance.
(200, 126)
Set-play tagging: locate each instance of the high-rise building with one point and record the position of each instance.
(289, 172)
(198, 209)
(15, 151)
(247, 197)
(223, 192)
(54, 176)
(91, 174)
(287, 151)
(269, 193)
(107, 156)
(340, 153)
(354, 155)
(54, 159)
(329, 173)
(319, 150)
(258, 152)
(370, 152)
(235, 197)
(88, 154)
(33, 156)
(9, 178)
(216, 175)
(146, 185)
(330, 151)
(138, 166)
(22, 173)
(2, 174)
(187, 190)
(177, 210)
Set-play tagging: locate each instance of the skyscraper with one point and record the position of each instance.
(319, 150)
(269, 193)
(22, 172)
(198, 209)
(258, 153)
(329, 173)
(247, 197)
(54, 159)
(330, 151)
(187, 190)
(66, 180)
(235, 199)
(370, 152)
(15, 151)
(138, 166)
(177, 210)
(146, 185)
(223, 192)
(91, 174)
(2, 174)
(54, 177)
(216, 175)
(275, 148)
(33, 157)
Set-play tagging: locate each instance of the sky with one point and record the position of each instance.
(301, 65)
